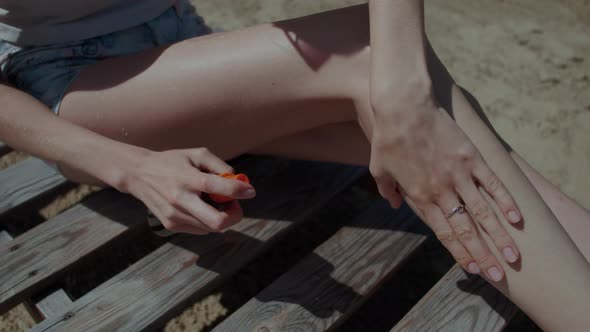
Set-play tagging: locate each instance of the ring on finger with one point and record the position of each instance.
(460, 209)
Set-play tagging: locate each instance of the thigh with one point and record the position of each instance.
(229, 91)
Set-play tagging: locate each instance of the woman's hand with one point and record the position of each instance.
(417, 143)
(170, 184)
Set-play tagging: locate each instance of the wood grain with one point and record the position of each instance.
(146, 294)
(54, 304)
(459, 302)
(40, 255)
(328, 285)
(26, 180)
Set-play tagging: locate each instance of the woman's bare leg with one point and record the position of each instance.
(552, 273)
(231, 91)
(239, 90)
(346, 143)
(573, 217)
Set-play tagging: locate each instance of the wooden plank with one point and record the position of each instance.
(459, 302)
(37, 257)
(328, 285)
(5, 237)
(54, 304)
(26, 180)
(51, 305)
(149, 292)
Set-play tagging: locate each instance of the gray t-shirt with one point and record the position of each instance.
(40, 22)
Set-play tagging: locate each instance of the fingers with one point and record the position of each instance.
(203, 213)
(213, 184)
(204, 160)
(494, 186)
(165, 216)
(190, 225)
(446, 235)
(387, 187)
(484, 215)
(397, 197)
(471, 239)
(189, 214)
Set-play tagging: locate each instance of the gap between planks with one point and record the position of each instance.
(327, 286)
(459, 302)
(39, 256)
(152, 290)
(51, 305)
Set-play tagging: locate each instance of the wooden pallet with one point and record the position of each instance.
(318, 293)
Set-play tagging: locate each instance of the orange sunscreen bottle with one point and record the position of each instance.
(224, 199)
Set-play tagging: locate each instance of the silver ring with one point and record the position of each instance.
(458, 209)
(156, 225)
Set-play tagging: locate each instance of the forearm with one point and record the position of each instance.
(398, 47)
(27, 125)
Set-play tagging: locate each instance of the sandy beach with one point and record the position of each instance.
(526, 61)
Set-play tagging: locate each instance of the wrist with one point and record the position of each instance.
(122, 167)
(401, 95)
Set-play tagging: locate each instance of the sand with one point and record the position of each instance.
(527, 62)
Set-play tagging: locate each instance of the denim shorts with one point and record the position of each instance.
(45, 72)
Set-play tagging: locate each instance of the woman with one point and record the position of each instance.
(152, 116)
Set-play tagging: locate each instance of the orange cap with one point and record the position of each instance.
(224, 199)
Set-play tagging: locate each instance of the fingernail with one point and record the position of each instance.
(509, 254)
(249, 193)
(473, 268)
(495, 273)
(514, 216)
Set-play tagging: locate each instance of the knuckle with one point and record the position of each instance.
(501, 236)
(493, 183)
(170, 223)
(216, 227)
(172, 226)
(175, 197)
(419, 195)
(481, 211)
(438, 192)
(466, 233)
(463, 259)
(204, 184)
(168, 214)
(218, 223)
(445, 237)
(467, 152)
(377, 173)
(202, 152)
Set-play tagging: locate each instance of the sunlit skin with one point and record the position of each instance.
(315, 88)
